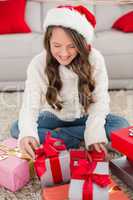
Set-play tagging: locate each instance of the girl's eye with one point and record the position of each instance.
(56, 46)
(72, 47)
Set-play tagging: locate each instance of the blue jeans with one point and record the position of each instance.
(71, 132)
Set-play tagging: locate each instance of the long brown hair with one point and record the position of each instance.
(80, 65)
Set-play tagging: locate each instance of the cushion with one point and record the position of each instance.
(12, 14)
(34, 19)
(124, 23)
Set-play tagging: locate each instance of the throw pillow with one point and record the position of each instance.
(12, 14)
(124, 23)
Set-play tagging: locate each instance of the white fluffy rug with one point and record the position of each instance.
(121, 104)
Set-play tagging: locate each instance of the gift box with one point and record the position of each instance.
(89, 181)
(130, 161)
(14, 171)
(52, 157)
(57, 170)
(52, 162)
(122, 141)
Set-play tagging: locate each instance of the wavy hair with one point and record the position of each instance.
(80, 65)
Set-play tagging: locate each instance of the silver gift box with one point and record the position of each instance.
(99, 193)
(64, 159)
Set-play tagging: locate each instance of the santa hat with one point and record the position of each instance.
(77, 18)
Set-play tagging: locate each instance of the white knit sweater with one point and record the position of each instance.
(34, 99)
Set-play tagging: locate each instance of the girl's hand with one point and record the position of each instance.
(99, 147)
(28, 145)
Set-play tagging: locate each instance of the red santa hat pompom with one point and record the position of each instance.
(78, 18)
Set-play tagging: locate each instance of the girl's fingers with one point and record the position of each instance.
(97, 147)
(103, 148)
(33, 143)
(29, 150)
(22, 147)
(91, 147)
(89, 157)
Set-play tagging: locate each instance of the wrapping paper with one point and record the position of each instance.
(123, 142)
(14, 172)
(59, 192)
(115, 192)
(98, 192)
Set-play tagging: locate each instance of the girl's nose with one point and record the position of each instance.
(64, 52)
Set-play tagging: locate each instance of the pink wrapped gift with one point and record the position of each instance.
(14, 172)
(89, 181)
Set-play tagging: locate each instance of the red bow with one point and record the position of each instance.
(50, 149)
(84, 170)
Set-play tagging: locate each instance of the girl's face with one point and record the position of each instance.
(62, 46)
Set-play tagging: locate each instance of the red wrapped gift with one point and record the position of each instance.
(130, 161)
(122, 140)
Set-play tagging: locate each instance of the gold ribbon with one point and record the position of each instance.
(6, 151)
(115, 188)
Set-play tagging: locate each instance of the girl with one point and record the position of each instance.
(66, 89)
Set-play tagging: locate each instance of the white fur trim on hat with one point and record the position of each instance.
(71, 19)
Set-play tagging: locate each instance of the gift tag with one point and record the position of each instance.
(3, 157)
(131, 132)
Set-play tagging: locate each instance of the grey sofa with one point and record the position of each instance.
(16, 50)
(116, 46)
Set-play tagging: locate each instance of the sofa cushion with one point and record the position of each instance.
(124, 23)
(33, 16)
(12, 17)
(117, 50)
(114, 42)
(107, 14)
(20, 45)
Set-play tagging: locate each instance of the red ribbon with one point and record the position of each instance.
(77, 154)
(85, 170)
(50, 149)
(83, 154)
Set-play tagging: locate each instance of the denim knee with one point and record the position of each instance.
(14, 130)
(114, 122)
(123, 122)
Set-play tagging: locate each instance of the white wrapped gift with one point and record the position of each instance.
(98, 193)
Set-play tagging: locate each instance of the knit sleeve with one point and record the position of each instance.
(31, 100)
(97, 112)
